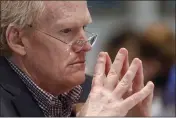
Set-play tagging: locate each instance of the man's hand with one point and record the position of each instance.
(108, 90)
(144, 107)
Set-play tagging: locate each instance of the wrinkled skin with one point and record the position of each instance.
(117, 89)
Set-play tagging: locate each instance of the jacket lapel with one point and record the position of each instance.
(22, 99)
(26, 106)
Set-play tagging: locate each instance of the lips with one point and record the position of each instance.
(78, 62)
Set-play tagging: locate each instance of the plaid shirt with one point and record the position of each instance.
(52, 106)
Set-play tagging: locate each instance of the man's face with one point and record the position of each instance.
(55, 63)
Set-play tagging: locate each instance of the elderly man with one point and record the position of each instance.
(46, 44)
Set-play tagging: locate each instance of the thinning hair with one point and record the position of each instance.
(19, 13)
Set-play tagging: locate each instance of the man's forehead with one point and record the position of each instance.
(59, 12)
(64, 6)
(65, 9)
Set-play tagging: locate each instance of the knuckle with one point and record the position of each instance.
(112, 73)
(118, 58)
(129, 74)
(124, 83)
(98, 75)
(110, 100)
(95, 91)
(92, 96)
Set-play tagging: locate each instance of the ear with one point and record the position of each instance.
(14, 39)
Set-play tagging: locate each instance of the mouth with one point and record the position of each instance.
(78, 62)
(78, 65)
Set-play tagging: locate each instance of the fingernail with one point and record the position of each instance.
(122, 50)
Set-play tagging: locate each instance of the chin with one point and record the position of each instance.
(78, 78)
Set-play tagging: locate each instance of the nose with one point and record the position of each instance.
(86, 47)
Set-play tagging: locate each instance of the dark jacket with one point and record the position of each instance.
(86, 86)
(15, 98)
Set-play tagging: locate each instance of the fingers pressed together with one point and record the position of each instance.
(119, 77)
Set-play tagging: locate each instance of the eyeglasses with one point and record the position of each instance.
(76, 45)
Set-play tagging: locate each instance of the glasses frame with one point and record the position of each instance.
(78, 42)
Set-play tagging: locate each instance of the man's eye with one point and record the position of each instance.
(66, 30)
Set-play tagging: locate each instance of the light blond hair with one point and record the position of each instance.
(19, 13)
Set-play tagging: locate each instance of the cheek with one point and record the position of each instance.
(45, 53)
(59, 57)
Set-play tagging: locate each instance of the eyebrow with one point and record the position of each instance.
(67, 23)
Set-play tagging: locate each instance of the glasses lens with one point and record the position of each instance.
(77, 45)
(92, 40)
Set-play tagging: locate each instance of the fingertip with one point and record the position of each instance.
(101, 54)
(137, 61)
(123, 51)
(151, 84)
(106, 53)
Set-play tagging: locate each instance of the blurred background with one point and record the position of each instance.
(147, 30)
